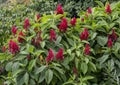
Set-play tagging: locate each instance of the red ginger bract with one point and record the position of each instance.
(108, 9)
(89, 10)
(63, 25)
(50, 56)
(59, 9)
(113, 36)
(87, 49)
(109, 43)
(3, 48)
(20, 39)
(26, 24)
(14, 30)
(52, 35)
(84, 35)
(59, 55)
(13, 47)
(73, 21)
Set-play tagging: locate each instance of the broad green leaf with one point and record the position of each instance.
(102, 40)
(84, 67)
(40, 69)
(26, 78)
(58, 40)
(8, 67)
(31, 64)
(103, 58)
(42, 76)
(87, 78)
(48, 76)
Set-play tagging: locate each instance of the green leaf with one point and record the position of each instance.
(103, 58)
(26, 78)
(102, 40)
(31, 64)
(48, 76)
(58, 69)
(42, 76)
(87, 78)
(30, 48)
(40, 69)
(58, 40)
(42, 44)
(84, 67)
(100, 3)
(8, 67)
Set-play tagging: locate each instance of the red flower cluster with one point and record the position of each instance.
(14, 30)
(59, 55)
(50, 56)
(3, 48)
(89, 10)
(82, 19)
(38, 16)
(20, 37)
(59, 9)
(52, 35)
(13, 47)
(75, 71)
(26, 24)
(84, 35)
(108, 9)
(109, 43)
(73, 21)
(112, 37)
(63, 25)
(28, 57)
(87, 49)
(36, 41)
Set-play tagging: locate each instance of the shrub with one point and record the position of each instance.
(55, 49)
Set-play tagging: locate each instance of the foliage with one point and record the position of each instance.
(90, 47)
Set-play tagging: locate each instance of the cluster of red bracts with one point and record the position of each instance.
(14, 30)
(108, 9)
(13, 47)
(73, 21)
(63, 25)
(111, 38)
(26, 24)
(52, 35)
(59, 55)
(84, 36)
(36, 41)
(20, 37)
(59, 9)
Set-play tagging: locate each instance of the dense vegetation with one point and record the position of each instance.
(41, 46)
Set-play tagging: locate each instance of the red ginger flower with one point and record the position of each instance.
(75, 70)
(82, 19)
(87, 49)
(109, 43)
(38, 16)
(52, 35)
(89, 10)
(108, 9)
(28, 57)
(13, 47)
(3, 48)
(59, 9)
(63, 25)
(84, 35)
(14, 30)
(113, 36)
(59, 55)
(20, 37)
(73, 21)
(26, 24)
(50, 56)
